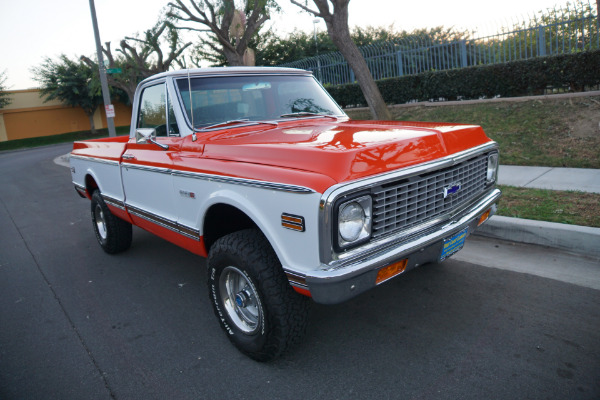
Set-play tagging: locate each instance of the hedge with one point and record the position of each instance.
(511, 79)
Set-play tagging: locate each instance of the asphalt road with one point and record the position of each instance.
(76, 323)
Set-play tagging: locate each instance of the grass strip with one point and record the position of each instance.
(546, 132)
(56, 139)
(565, 207)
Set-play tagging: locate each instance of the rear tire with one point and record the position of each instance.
(114, 234)
(252, 298)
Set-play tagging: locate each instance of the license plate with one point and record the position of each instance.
(453, 244)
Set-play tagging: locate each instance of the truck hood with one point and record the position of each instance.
(345, 150)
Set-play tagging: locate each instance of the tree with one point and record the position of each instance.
(72, 82)
(230, 30)
(139, 58)
(337, 27)
(4, 97)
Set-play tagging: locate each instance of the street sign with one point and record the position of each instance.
(114, 71)
(110, 111)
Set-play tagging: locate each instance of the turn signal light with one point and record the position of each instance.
(484, 217)
(390, 271)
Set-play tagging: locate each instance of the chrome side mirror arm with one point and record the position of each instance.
(145, 135)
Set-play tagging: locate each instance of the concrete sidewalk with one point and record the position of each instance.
(572, 238)
(577, 179)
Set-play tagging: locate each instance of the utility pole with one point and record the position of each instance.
(108, 107)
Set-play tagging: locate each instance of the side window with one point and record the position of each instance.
(153, 109)
(173, 127)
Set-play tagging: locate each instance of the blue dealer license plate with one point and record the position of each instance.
(453, 244)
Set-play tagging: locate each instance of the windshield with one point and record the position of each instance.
(254, 98)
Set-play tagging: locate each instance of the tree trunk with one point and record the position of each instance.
(233, 58)
(365, 80)
(340, 35)
(92, 124)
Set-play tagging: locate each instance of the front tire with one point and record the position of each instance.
(114, 234)
(252, 298)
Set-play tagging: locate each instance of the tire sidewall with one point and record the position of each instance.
(248, 343)
(98, 201)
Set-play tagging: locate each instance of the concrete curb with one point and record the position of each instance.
(63, 160)
(573, 238)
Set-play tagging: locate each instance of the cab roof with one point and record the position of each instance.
(223, 71)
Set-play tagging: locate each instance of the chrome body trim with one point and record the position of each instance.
(334, 284)
(222, 179)
(80, 189)
(327, 253)
(245, 182)
(113, 202)
(296, 279)
(148, 168)
(164, 222)
(95, 159)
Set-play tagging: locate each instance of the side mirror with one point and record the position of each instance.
(145, 135)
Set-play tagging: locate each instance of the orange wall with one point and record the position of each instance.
(28, 116)
(122, 115)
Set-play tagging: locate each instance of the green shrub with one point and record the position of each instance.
(573, 72)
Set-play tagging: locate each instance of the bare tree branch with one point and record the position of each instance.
(218, 16)
(140, 58)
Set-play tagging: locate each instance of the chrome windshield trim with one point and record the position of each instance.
(244, 182)
(94, 159)
(328, 199)
(237, 72)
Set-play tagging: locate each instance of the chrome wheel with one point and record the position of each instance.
(240, 300)
(100, 222)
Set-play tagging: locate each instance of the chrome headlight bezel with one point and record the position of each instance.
(351, 232)
(492, 169)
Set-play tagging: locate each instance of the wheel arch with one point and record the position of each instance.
(91, 184)
(222, 219)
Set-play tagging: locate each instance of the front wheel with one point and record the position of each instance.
(114, 234)
(252, 298)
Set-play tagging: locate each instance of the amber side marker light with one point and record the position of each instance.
(484, 217)
(390, 271)
(293, 222)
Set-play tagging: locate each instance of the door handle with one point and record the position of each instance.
(128, 157)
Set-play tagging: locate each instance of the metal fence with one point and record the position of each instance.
(413, 55)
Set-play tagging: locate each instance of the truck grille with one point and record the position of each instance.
(402, 204)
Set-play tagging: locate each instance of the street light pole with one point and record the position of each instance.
(315, 22)
(108, 107)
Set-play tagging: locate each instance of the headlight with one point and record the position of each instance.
(492, 168)
(354, 221)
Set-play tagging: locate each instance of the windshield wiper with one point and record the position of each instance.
(302, 114)
(244, 121)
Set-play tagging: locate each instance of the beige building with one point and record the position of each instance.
(28, 116)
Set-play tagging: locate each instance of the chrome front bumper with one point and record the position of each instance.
(334, 285)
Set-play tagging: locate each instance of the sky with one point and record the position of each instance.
(31, 30)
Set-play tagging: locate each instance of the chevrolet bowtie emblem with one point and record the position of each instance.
(451, 189)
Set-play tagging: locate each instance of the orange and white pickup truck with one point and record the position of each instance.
(260, 171)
